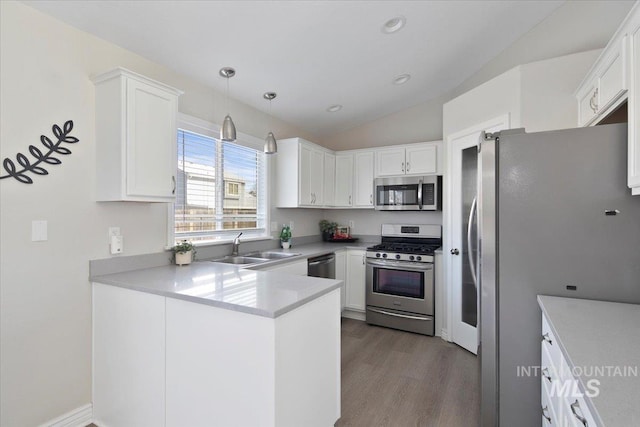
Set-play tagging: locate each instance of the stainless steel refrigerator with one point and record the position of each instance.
(555, 217)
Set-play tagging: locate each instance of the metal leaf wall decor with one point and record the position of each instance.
(47, 157)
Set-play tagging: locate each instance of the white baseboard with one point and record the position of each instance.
(444, 335)
(79, 417)
(357, 315)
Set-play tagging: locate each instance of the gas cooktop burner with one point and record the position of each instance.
(406, 248)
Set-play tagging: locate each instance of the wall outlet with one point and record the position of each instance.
(351, 225)
(116, 245)
(274, 226)
(291, 225)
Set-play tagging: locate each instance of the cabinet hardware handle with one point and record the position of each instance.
(363, 257)
(455, 252)
(349, 199)
(546, 375)
(173, 179)
(402, 166)
(546, 338)
(593, 103)
(371, 199)
(574, 408)
(408, 166)
(548, 418)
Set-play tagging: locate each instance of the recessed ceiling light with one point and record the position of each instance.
(394, 24)
(401, 79)
(334, 108)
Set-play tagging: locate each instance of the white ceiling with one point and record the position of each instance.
(313, 53)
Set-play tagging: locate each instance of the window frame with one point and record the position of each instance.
(206, 128)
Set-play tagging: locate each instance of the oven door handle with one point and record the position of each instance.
(409, 266)
(404, 316)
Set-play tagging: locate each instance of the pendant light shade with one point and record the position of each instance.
(270, 145)
(228, 129)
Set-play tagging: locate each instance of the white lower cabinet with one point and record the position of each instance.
(299, 268)
(562, 402)
(167, 362)
(355, 286)
(341, 274)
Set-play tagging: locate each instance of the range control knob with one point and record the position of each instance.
(411, 258)
(398, 256)
(378, 255)
(384, 255)
(419, 258)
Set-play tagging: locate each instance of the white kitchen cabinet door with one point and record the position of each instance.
(341, 274)
(390, 162)
(344, 180)
(136, 137)
(355, 288)
(316, 172)
(305, 197)
(587, 104)
(421, 160)
(364, 179)
(613, 81)
(329, 179)
(634, 111)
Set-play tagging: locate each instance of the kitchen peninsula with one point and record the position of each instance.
(215, 344)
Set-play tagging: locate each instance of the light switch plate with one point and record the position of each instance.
(116, 245)
(39, 231)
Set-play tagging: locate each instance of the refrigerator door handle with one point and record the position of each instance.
(472, 212)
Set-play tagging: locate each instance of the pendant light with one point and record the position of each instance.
(228, 130)
(270, 145)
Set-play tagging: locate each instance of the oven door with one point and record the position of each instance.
(398, 285)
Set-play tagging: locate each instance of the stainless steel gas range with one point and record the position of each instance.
(400, 278)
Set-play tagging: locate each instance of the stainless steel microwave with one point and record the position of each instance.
(409, 193)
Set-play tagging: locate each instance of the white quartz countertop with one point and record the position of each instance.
(605, 335)
(263, 293)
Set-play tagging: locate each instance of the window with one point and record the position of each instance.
(221, 187)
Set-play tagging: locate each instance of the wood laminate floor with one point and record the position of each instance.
(395, 378)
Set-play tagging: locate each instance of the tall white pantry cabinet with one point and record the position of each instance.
(135, 138)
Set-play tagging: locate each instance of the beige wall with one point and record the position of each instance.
(45, 311)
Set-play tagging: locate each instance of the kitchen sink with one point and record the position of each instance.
(240, 259)
(272, 255)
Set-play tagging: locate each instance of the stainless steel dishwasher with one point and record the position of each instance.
(322, 266)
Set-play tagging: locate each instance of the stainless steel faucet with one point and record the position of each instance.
(235, 245)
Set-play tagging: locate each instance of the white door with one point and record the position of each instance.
(463, 164)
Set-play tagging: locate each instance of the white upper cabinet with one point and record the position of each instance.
(413, 159)
(344, 181)
(329, 179)
(299, 174)
(634, 106)
(612, 80)
(390, 161)
(604, 88)
(363, 178)
(135, 138)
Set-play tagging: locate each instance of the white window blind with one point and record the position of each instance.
(220, 189)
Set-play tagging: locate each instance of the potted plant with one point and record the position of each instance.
(327, 228)
(184, 252)
(285, 237)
